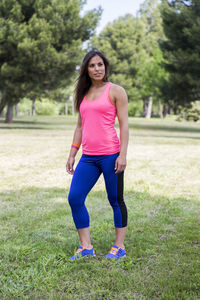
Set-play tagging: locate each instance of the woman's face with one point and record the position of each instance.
(96, 68)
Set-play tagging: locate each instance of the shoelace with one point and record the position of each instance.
(114, 250)
(79, 250)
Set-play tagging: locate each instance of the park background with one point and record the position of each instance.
(154, 55)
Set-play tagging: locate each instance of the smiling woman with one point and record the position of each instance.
(84, 84)
(98, 103)
(96, 68)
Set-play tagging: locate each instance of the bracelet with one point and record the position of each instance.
(76, 146)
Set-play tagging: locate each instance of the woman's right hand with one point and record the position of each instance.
(69, 165)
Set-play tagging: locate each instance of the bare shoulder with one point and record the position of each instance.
(115, 89)
(117, 93)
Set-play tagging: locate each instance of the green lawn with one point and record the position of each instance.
(37, 234)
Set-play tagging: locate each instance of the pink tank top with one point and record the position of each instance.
(99, 136)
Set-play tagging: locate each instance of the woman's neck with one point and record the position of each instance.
(98, 83)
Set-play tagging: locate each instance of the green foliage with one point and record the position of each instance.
(135, 109)
(150, 16)
(121, 42)
(132, 46)
(40, 45)
(190, 114)
(62, 108)
(46, 107)
(181, 23)
(151, 73)
(25, 106)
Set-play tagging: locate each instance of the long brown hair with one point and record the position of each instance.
(84, 82)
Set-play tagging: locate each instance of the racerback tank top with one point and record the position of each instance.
(99, 136)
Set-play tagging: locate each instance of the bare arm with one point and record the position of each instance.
(76, 140)
(119, 97)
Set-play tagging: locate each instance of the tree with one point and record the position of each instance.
(40, 45)
(181, 23)
(132, 44)
(149, 79)
(121, 42)
(151, 73)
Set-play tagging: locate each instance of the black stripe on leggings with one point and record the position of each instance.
(120, 198)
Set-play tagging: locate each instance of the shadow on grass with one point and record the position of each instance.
(96, 200)
(19, 195)
(16, 124)
(171, 137)
(166, 127)
(25, 128)
(56, 123)
(43, 215)
(32, 122)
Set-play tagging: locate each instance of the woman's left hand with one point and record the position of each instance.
(120, 164)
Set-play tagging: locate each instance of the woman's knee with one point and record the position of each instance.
(74, 198)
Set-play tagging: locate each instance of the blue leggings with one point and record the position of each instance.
(85, 176)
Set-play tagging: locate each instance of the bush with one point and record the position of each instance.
(190, 114)
(46, 107)
(62, 108)
(135, 109)
(25, 106)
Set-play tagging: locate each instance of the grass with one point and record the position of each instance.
(37, 232)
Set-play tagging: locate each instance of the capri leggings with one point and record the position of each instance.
(85, 176)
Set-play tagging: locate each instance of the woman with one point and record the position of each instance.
(98, 103)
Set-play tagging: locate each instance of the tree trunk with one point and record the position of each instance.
(176, 110)
(2, 103)
(145, 106)
(71, 98)
(149, 109)
(33, 111)
(160, 109)
(73, 108)
(16, 110)
(9, 114)
(2, 113)
(165, 110)
(66, 108)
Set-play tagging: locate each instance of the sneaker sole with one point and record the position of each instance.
(116, 257)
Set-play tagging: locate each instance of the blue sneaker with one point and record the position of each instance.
(81, 252)
(116, 252)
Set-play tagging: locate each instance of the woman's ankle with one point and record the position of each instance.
(120, 245)
(86, 245)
